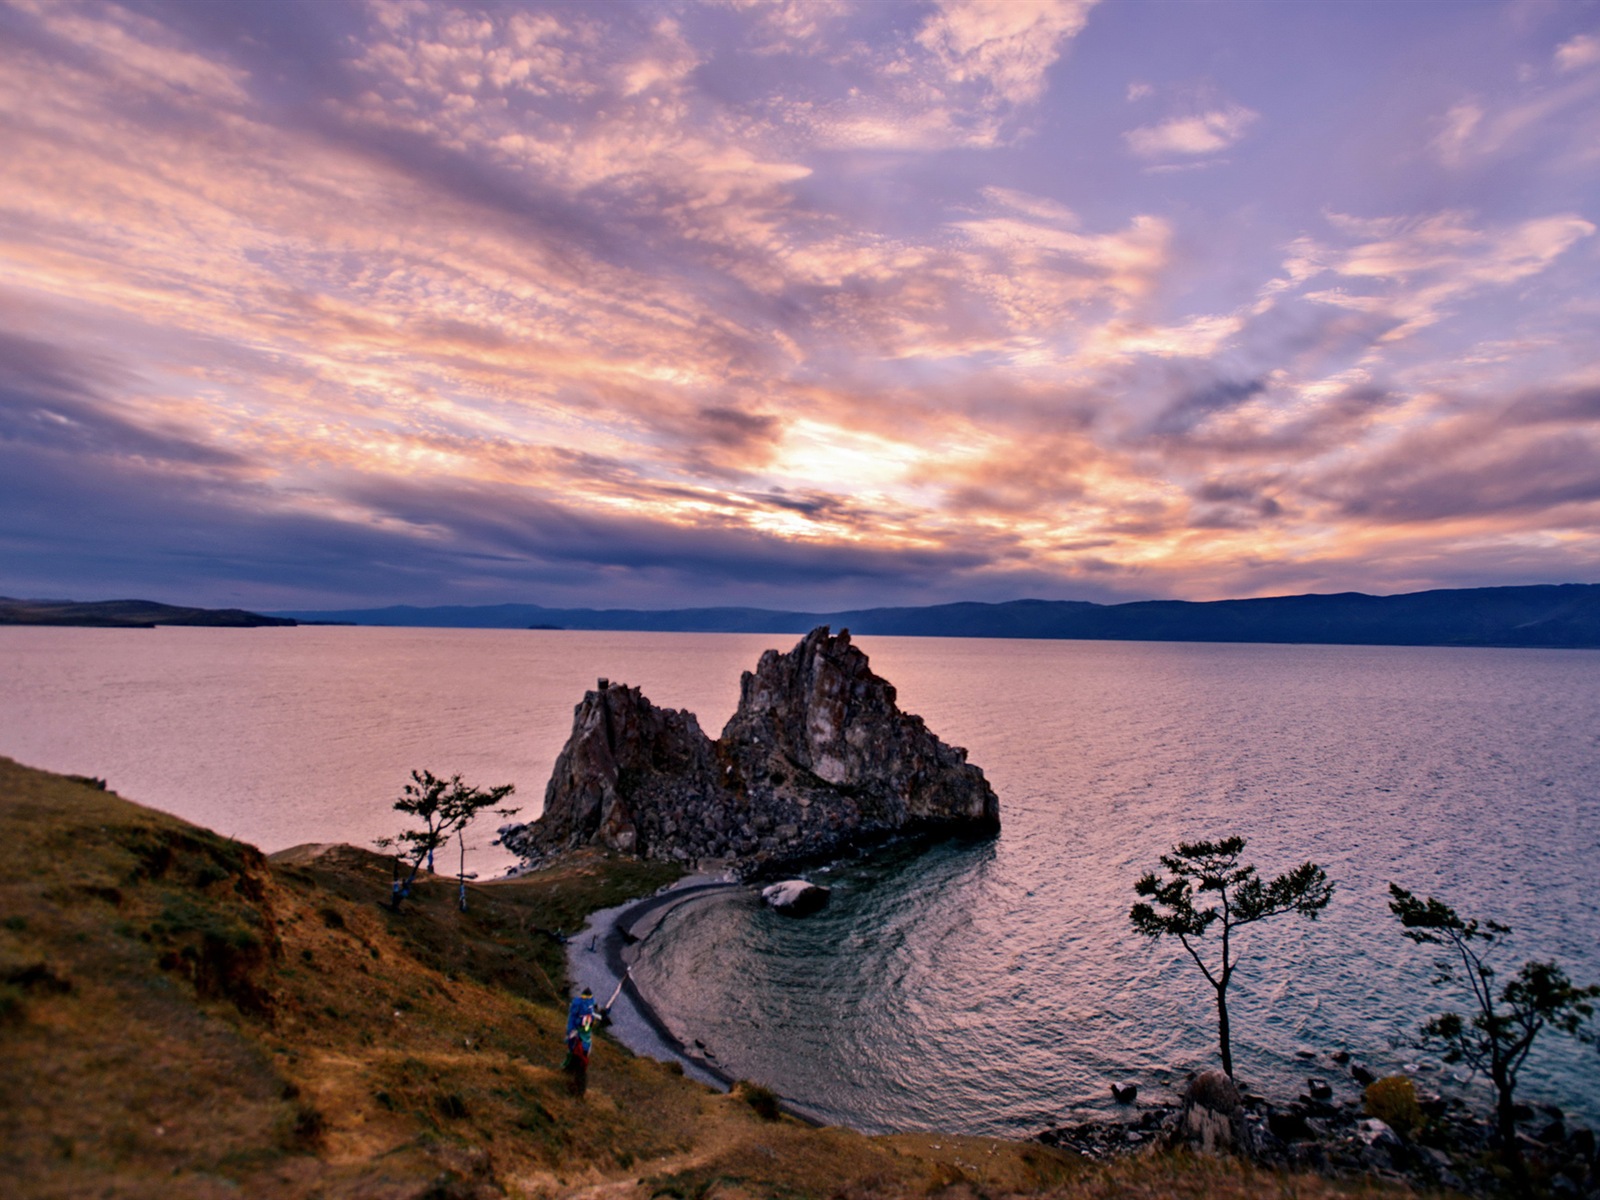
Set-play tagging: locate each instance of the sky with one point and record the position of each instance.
(807, 304)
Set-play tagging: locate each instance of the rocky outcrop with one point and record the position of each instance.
(817, 757)
(632, 777)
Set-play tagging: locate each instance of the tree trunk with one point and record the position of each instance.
(401, 890)
(1222, 1031)
(1506, 1121)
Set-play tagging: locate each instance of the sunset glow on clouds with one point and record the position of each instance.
(803, 304)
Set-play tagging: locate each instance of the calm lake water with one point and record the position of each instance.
(995, 987)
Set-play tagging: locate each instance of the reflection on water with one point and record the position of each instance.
(1002, 988)
(282, 736)
(997, 986)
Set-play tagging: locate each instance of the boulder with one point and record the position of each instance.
(1374, 1132)
(1213, 1114)
(818, 757)
(796, 897)
(1124, 1093)
(1582, 1143)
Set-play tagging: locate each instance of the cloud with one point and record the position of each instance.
(1041, 481)
(1441, 475)
(53, 400)
(1203, 133)
(1578, 53)
(479, 301)
(187, 537)
(791, 26)
(1039, 261)
(970, 75)
(724, 440)
(1006, 46)
(1420, 267)
(1553, 106)
(1460, 128)
(1193, 407)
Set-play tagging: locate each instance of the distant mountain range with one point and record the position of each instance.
(127, 614)
(1558, 615)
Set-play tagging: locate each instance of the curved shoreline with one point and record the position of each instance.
(598, 958)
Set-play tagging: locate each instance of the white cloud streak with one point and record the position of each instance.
(1203, 133)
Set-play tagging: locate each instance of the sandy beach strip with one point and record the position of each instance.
(599, 956)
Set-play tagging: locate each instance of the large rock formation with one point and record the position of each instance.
(816, 758)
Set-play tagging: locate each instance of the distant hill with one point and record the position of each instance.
(127, 614)
(1556, 615)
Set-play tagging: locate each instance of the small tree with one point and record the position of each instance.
(1496, 1039)
(445, 807)
(1242, 899)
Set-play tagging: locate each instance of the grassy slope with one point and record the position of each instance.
(179, 1017)
(139, 614)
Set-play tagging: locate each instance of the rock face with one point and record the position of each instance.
(817, 757)
(632, 777)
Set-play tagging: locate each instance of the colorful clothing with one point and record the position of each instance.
(581, 1018)
(580, 1015)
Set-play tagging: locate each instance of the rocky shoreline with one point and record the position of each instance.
(1327, 1129)
(1451, 1147)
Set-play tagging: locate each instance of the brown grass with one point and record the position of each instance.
(181, 1018)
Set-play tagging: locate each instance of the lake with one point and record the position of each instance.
(996, 987)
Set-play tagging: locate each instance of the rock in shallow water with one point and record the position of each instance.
(796, 897)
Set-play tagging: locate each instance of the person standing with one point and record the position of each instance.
(581, 1018)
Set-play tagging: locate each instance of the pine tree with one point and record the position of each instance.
(445, 807)
(1497, 1036)
(1202, 868)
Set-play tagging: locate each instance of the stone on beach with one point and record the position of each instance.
(796, 897)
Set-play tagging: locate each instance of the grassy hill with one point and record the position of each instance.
(128, 614)
(181, 1017)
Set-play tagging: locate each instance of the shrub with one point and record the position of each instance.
(1393, 1100)
(763, 1099)
(450, 1104)
(12, 1010)
(301, 1127)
